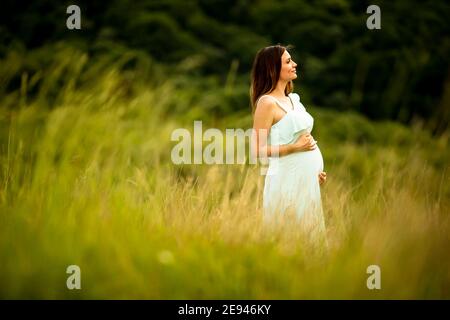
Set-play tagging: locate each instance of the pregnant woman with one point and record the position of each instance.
(283, 133)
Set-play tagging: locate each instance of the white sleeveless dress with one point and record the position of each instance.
(292, 181)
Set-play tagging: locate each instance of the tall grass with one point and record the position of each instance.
(86, 179)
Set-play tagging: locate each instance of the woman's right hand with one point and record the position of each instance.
(305, 142)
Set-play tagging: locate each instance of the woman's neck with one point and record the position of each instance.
(279, 90)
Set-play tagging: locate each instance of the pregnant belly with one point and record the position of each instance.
(305, 162)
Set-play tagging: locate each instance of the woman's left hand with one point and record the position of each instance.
(322, 177)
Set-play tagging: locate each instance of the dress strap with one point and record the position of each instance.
(292, 101)
(279, 103)
(283, 107)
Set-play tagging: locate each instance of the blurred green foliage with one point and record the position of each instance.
(400, 72)
(86, 178)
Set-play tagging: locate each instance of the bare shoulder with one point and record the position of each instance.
(265, 104)
(264, 113)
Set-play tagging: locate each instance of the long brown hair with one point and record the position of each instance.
(266, 72)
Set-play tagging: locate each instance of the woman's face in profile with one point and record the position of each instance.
(288, 67)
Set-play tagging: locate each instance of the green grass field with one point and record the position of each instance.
(87, 179)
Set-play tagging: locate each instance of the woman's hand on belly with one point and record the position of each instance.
(305, 142)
